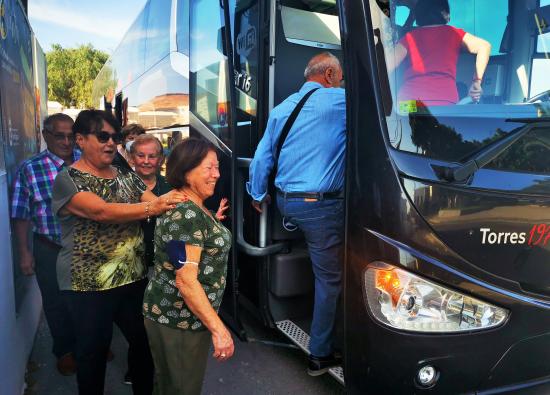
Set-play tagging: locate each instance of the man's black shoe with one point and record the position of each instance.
(320, 365)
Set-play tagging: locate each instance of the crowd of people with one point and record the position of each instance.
(102, 214)
(115, 242)
(99, 221)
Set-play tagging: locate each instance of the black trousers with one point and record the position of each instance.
(93, 314)
(54, 304)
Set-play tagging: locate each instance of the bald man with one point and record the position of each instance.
(310, 185)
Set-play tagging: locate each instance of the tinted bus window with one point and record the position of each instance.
(129, 62)
(432, 113)
(245, 23)
(486, 19)
(158, 32)
(182, 30)
(543, 43)
(208, 66)
(540, 82)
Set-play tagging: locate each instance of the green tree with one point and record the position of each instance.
(71, 73)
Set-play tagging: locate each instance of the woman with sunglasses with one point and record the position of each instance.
(100, 267)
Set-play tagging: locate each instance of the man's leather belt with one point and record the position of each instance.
(314, 195)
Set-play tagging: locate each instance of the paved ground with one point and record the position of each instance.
(256, 368)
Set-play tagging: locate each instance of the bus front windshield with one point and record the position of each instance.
(455, 74)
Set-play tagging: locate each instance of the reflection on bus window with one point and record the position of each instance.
(208, 67)
(158, 33)
(182, 27)
(130, 62)
(430, 70)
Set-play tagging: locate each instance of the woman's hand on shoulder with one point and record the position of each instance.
(223, 344)
(224, 205)
(167, 202)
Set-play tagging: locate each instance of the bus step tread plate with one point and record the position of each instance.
(301, 339)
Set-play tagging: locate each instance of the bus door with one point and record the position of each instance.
(211, 118)
(272, 42)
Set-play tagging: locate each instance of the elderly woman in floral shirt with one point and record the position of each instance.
(183, 297)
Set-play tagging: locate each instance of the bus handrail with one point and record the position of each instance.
(249, 249)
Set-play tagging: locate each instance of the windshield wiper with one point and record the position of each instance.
(464, 171)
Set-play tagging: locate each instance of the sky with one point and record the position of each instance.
(71, 23)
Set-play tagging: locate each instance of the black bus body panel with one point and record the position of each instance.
(384, 224)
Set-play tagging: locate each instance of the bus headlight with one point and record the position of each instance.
(405, 301)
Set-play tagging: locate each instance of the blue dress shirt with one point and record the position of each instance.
(312, 158)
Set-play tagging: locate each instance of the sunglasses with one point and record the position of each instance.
(103, 137)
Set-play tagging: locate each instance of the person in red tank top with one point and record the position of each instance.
(432, 52)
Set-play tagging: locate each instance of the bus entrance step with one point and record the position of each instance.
(301, 339)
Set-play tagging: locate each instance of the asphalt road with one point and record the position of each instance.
(256, 368)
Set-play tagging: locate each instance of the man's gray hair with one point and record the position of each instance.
(49, 122)
(320, 63)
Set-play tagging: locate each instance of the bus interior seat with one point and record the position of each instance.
(493, 79)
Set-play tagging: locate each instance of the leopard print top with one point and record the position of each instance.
(97, 256)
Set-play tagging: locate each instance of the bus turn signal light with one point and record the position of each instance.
(406, 301)
(387, 281)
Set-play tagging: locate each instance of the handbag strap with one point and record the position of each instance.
(290, 122)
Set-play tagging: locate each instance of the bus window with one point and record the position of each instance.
(208, 67)
(543, 43)
(482, 18)
(539, 81)
(311, 28)
(431, 113)
(182, 29)
(131, 49)
(158, 33)
(245, 23)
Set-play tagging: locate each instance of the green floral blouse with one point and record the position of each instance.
(163, 302)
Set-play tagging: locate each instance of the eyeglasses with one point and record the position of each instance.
(103, 137)
(61, 136)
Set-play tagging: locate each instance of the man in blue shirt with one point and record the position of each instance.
(310, 184)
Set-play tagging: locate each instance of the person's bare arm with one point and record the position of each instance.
(482, 49)
(21, 228)
(197, 301)
(91, 206)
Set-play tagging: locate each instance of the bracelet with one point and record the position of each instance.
(476, 79)
(147, 206)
